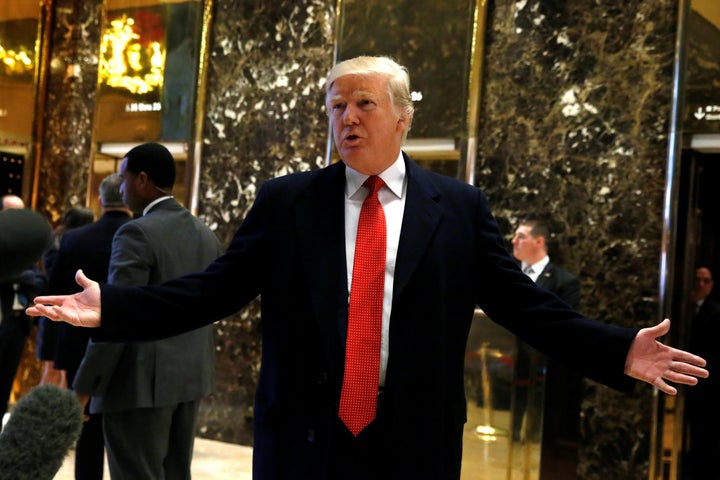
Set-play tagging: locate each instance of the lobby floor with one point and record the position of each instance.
(212, 460)
(485, 457)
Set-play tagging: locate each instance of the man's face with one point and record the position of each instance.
(366, 128)
(129, 188)
(527, 248)
(703, 284)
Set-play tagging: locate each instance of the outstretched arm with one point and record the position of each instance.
(653, 362)
(81, 309)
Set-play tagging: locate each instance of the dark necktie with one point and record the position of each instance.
(358, 399)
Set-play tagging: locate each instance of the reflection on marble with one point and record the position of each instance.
(71, 87)
(264, 118)
(437, 58)
(702, 82)
(574, 121)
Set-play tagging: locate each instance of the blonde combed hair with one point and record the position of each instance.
(398, 80)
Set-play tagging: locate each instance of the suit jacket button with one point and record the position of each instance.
(311, 435)
(322, 378)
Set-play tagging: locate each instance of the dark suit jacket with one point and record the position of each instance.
(290, 250)
(704, 336)
(562, 283)
(87, 247)
(165, 243)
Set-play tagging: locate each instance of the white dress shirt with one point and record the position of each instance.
(537, 268)
(392, 198)
(155, 202)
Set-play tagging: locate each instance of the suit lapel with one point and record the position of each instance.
(420, 220)
(546, 276)
(320, 224)
(321, 236)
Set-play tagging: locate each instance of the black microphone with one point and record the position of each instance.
(24, 236)
(43, 426)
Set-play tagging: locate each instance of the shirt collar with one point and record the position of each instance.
(539, 266)
(393, 176)
(155, 202)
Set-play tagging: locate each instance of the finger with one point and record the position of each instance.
(51, 312)
(660, 384)
(82, 280)
(681, 378)
(49, 299)
(688, 369)
(36, 310)
(687, 357)
(661, 329)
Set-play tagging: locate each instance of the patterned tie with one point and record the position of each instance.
(358, 399)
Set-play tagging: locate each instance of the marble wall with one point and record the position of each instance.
(574, 128)
(574, 118)
(71, 84)
(264, 117)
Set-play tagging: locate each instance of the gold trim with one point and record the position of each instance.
(661, 466)
(42, 49)
(200, 95)
(477, 49)
(93, 144)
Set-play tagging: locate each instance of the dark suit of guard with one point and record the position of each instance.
(88, 248)
(703, 400)
(173, 373)
(290, 250)
(561, 416)
(562, 283)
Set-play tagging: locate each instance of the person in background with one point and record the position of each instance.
(702, 402)
(12, 201)
(148, 393)
(75, 216)
(24, 236)
(561, 387)
(369, 272)
(15, 293)
(87, 247)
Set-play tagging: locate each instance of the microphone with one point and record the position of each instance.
(24, 236)
(42, 428)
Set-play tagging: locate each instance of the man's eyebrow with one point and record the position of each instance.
(364, 94)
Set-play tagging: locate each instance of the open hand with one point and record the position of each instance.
(653, 362)
(81, 309)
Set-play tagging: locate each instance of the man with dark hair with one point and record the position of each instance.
(148, 393)
(562, 387)
(87, 247)
(530, 248)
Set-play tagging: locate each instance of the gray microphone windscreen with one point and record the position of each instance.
(24, 236)
(43, 426)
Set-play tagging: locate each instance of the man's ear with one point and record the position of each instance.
(402, 123)
(143, 178)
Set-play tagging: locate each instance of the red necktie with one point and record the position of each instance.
(358, 399)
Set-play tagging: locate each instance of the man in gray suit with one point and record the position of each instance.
(148, 392)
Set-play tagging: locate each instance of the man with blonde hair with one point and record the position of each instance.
(369, 271)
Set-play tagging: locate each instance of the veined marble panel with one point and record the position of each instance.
(264, 117)
(574, 126)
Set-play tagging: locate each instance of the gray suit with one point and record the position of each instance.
(129, 381)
